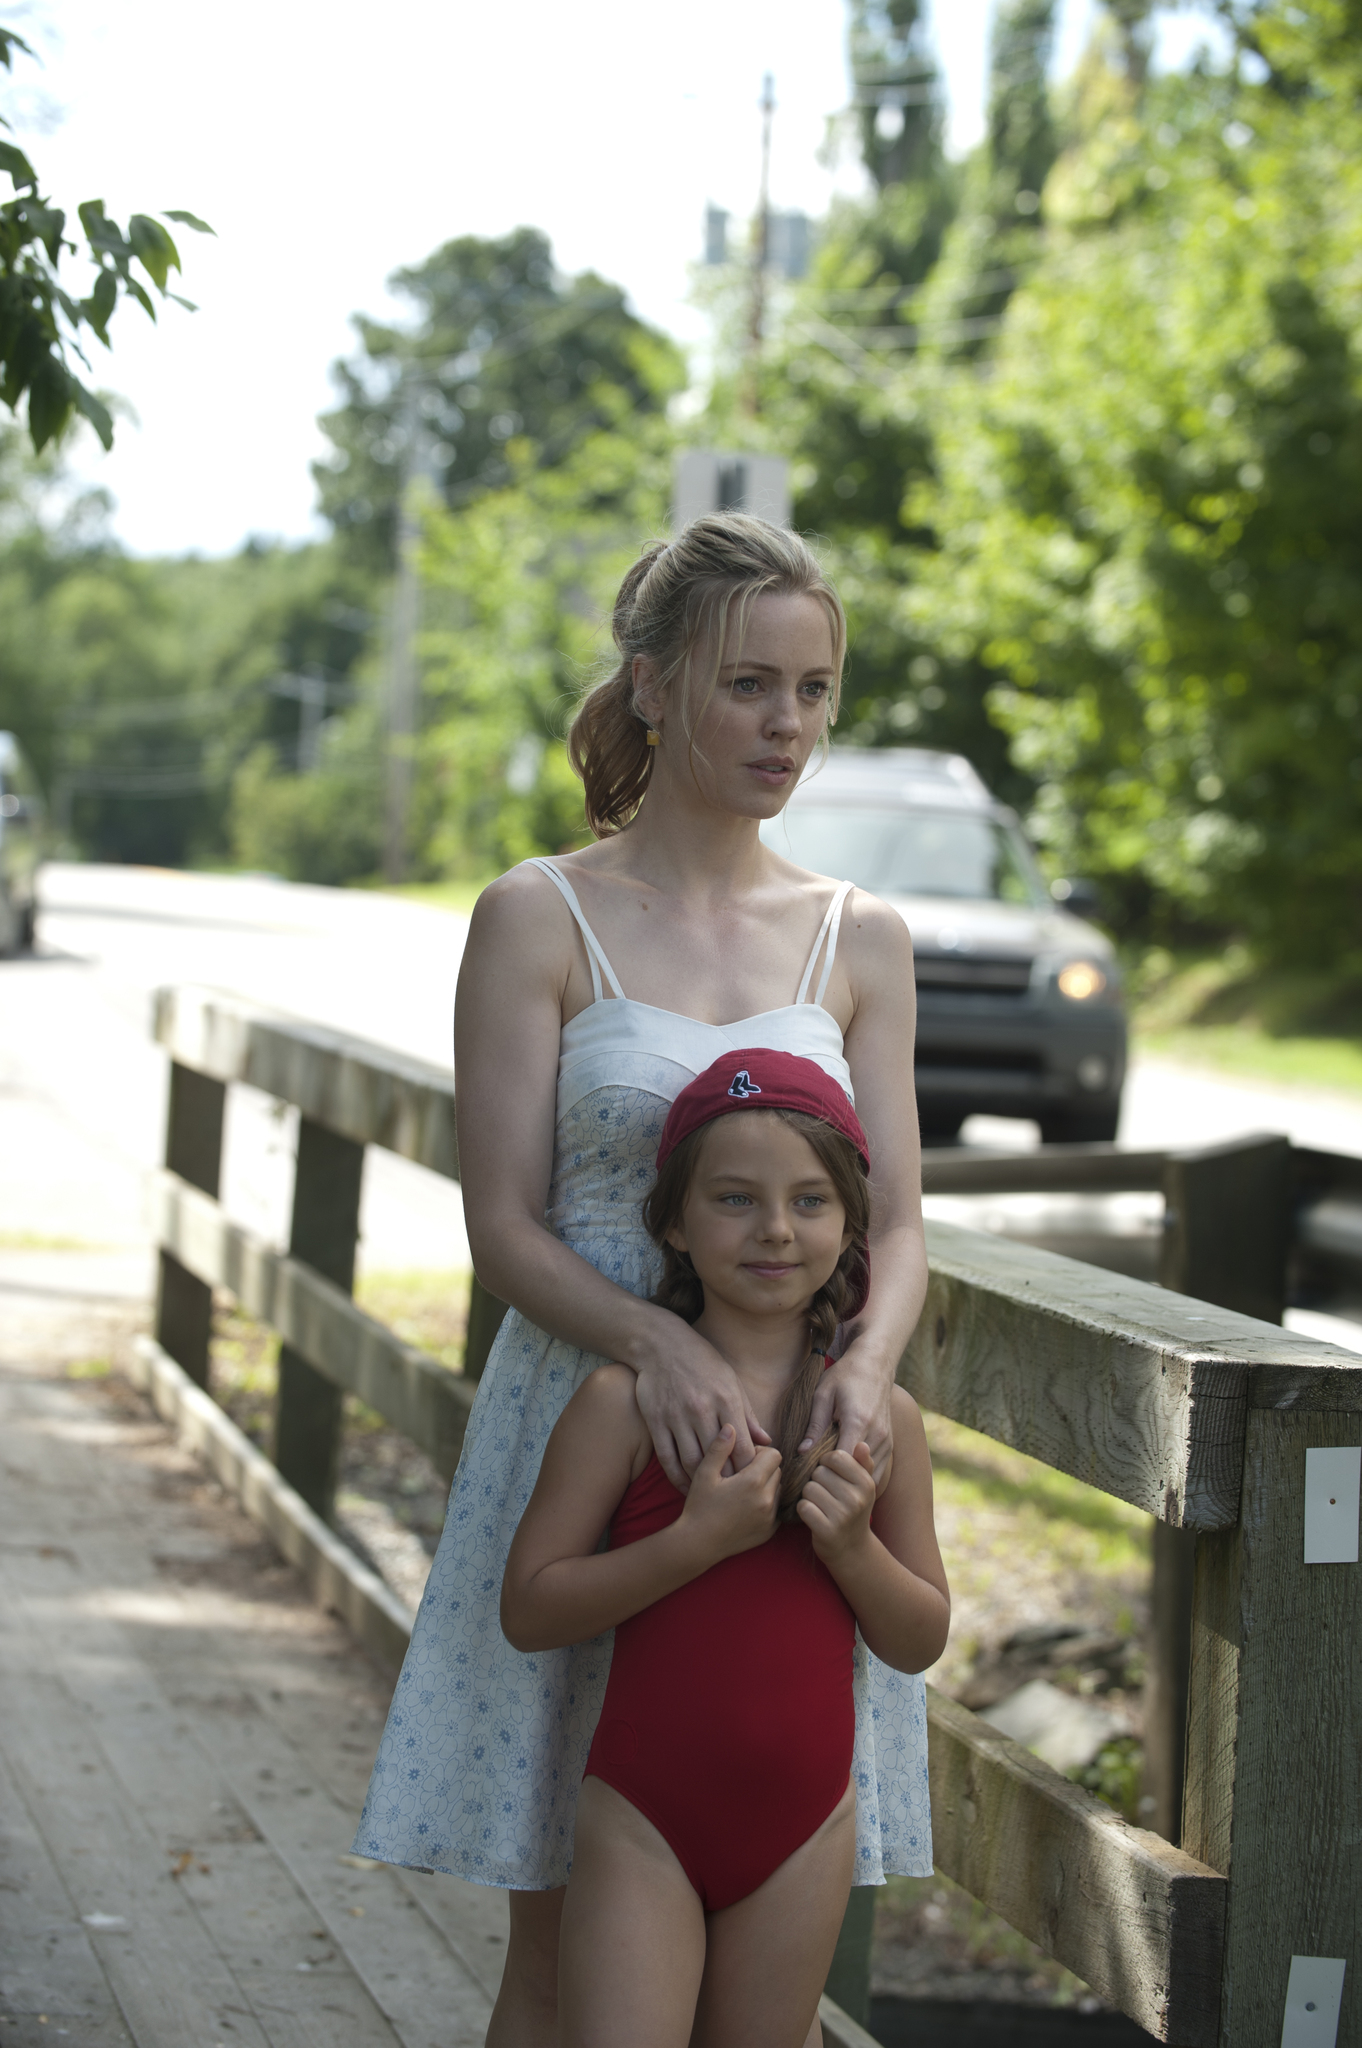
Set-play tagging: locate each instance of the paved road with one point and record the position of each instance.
(82, 1087)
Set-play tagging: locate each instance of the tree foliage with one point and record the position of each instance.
(504, 356)
(41, 324)
(1144, 522)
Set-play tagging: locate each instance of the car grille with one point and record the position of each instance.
(972, 977)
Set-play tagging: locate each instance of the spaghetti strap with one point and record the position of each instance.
(828, 930)
(594, 954)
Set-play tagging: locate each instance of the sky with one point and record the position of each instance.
(329, 144)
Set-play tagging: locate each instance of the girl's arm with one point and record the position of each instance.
(512, 983)
(558, 1587)
(854, 1393)
(883, 1554)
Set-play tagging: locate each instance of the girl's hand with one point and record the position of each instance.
(688, 1397)
(726, 1513)
(836, 1504)
(855, 1395)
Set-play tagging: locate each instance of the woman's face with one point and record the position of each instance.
(753, 737)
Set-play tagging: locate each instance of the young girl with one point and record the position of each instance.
(714, 1834)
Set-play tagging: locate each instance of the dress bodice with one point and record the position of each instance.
(621, 1065)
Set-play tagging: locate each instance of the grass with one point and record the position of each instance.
(449, 895)
(1291, 1026)
(34, 1241)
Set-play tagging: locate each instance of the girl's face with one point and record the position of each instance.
(753, 737)
(761, 1220)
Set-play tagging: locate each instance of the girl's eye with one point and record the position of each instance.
(737, 1201)
(811, 1202)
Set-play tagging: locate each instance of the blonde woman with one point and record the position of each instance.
(593, 989)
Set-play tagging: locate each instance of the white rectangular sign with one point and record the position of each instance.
(1333, 1481)
(1314, 1993)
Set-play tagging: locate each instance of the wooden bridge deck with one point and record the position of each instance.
(184, 1745)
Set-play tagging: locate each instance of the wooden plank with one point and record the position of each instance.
(1052, 1170)
(171, 1983)
(327, 1177)
(183, 1321)
(840, 2030)
(363, 1091)
(1274, 1791)
(1134, 1917)
(46, 1963)
(1137, 1391)
(288, 1944)
(414, 1392)
(259, 1922)
(1227, 1224)
(430, 1997)
(337, 1578)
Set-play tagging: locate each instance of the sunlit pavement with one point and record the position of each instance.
(82, 1087)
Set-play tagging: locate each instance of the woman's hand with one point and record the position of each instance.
(855, 1395)
(836, 1504)
(688, 1395)
(726, 1513)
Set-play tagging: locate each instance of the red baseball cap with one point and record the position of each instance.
(758, 1078)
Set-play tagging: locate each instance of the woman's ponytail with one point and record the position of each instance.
(608, 742)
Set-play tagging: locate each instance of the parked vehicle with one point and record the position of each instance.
(1019, 999)
(23, 821)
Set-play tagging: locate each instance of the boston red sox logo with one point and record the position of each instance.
(743, 1085)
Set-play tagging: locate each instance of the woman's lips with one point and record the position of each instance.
(778, 772)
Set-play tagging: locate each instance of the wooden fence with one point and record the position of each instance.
(1203, 1416)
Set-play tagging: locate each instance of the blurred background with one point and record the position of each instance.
(1050, 308)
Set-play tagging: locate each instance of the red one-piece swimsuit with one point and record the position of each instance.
(728, 1718)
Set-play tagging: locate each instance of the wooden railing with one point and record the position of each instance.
(1200, 1415)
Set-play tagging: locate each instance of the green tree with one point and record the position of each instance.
(503, 355)
(519, 587)
(41, 324)
(1146, 519)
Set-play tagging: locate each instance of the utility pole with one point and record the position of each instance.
(761, 249)
(401, 706)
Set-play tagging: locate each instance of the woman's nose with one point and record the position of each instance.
(784, 714)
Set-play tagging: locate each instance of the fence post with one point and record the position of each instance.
(323, 1234)
(1226, 1237)
(1274, 1795)
(184, 1305)
(485, 1315)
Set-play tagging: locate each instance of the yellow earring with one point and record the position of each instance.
(654, 738)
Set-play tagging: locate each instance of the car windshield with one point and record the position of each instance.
(894, 852)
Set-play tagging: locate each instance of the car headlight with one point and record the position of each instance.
(1081, 980)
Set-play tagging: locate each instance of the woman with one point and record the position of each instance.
(731, 647)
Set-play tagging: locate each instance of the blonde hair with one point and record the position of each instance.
(679, 594)
(681, 1290)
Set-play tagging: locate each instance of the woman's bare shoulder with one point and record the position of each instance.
(521, 909)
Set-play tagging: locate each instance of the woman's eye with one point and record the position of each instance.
(746, 686)
(816, 689)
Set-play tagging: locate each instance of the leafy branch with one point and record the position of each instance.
(40, 322)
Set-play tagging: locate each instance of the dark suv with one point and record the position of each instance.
(1018, 1000)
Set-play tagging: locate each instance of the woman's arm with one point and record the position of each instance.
(558, 1587)
(883, 1554)
(854, 1393)
(520, 957)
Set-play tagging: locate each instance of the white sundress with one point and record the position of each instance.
(484, 1748)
